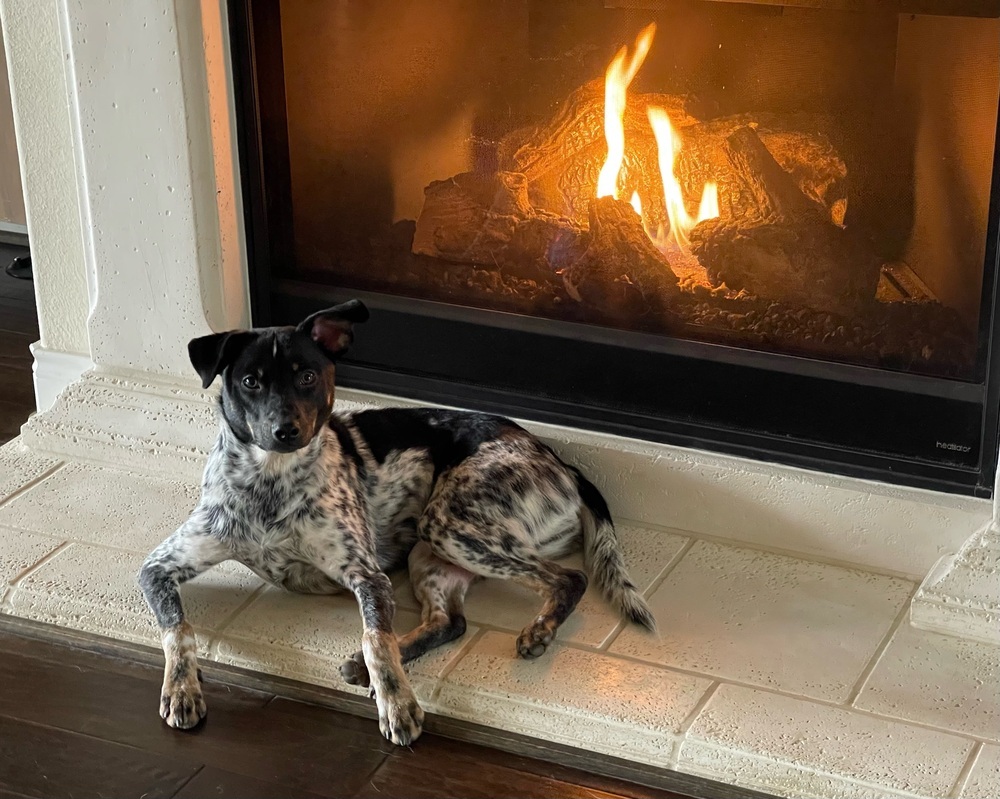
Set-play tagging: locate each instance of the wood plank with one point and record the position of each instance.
(15, 352)
(12, 416)
(16, 315)
(16, 386)
(222, 784)
(44, 762)
(313, 750)
(439, 767)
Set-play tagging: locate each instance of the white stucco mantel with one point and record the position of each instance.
(149, 159)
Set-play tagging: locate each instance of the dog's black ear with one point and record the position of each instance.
(333, 329)
(210, 355)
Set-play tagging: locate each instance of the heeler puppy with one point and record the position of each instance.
(317, 502)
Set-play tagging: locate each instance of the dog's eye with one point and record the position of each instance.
(251, 382)
(307, 378)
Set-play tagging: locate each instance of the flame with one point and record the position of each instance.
(708, 208)
(668, 144)
(619, 75)
(617, 79)
(636, 203)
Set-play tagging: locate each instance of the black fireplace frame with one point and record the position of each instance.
(864, 422)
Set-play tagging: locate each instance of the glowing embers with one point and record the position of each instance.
(619, 75)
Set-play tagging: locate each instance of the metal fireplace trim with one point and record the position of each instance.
(865, 422)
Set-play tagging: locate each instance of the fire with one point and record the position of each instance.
(636, 203)
(619, 75)
(668, 143)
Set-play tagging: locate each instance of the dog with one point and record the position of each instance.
(318, 502)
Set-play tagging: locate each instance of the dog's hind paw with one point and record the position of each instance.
(354, 671)
(534, 640)
(401, 720)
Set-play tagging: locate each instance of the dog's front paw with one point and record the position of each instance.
(401, 719)
(354, 671)
(182, 705)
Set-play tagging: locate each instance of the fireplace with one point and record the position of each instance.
(765, 229)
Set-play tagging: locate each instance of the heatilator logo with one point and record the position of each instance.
(951, 447)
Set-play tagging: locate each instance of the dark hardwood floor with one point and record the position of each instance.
(18, 329)
(79, 723)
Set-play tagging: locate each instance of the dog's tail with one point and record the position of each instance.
(603, 554)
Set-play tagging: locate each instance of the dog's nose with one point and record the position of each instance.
(286, 433)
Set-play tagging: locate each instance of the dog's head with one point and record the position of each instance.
(278, 382)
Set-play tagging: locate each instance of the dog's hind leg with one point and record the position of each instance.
(440, 589)
(185, 554)
(487, 549)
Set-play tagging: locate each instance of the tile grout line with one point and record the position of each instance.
(15, 583)
(880, 650)
(654, 586)
(32, 483)
(216, 635)
(688, 723)
(81, 541)
(962, 781)
(789, 553)
(828, 703)
(452, 664)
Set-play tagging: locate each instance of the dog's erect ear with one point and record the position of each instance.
(210, 355)
(332, 329)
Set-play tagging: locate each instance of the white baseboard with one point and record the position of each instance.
(53, 371)
(13, 227)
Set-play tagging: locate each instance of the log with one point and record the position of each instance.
(771, 194)
(562, 157)
(488, 220)
(621, 273)
(784, 247)
(795, 142)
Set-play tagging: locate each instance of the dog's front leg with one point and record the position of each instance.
(188, 552)
(400, 716)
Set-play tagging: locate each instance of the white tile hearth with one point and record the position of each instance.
(984, 781)
(769, 620)
(573, 696)
(938, 680)
(20, 467)
(306, 638)
(102, 506)
(754, 678)
(94, 589)
(754, 734)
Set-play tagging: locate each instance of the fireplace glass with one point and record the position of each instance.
(763, 227)
(789, 179)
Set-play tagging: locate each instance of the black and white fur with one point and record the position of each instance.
(316, 502)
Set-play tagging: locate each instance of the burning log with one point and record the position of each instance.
(621, 272)
(783, 247)
(562, 158)
(792, 140)
(488, 220)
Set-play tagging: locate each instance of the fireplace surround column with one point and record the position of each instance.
(160, 245)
